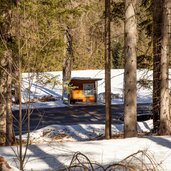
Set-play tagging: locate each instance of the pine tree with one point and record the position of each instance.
(6, 46)
(130, 106)
(157, 25)
(165, 118)
(108, 132)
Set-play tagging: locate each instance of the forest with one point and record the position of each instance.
(39, 27)
(54, 35)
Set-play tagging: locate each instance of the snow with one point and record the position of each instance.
(53, 146)
(80, 132)
(34, 89)
(44, 157)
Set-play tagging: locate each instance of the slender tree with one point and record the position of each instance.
(9, 118)
(68, 57)
(3, 91)
(130, 106)
(6, 46)
(165, 118)
(107, 71)
(157, 34)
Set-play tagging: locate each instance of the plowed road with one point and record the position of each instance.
(94, 114)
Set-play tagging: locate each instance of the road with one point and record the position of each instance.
(90, 114)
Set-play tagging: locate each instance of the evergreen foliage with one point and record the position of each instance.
(37, 30)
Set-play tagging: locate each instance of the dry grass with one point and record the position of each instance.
(139, 161)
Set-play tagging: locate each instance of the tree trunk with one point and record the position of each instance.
(68, 55)
(157, 25)
(6, 123)
(3, 100)
(130, 106)
(16, 86)
(9, 118)
(165, 119)
(108, 133)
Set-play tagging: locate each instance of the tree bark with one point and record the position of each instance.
(6, 122)
(108, 133)
(3, 100)
(165, 118)
(130, 95)
(9, 118)
(157, 25)
(68, 55)
(16, 86)
(67, 65)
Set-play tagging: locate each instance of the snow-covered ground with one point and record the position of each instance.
(53, 146)
(46, 157)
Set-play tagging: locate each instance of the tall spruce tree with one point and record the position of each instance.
(130, 105)
(157, 34)
(6, 56)
(108, 132)
(165, 118)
